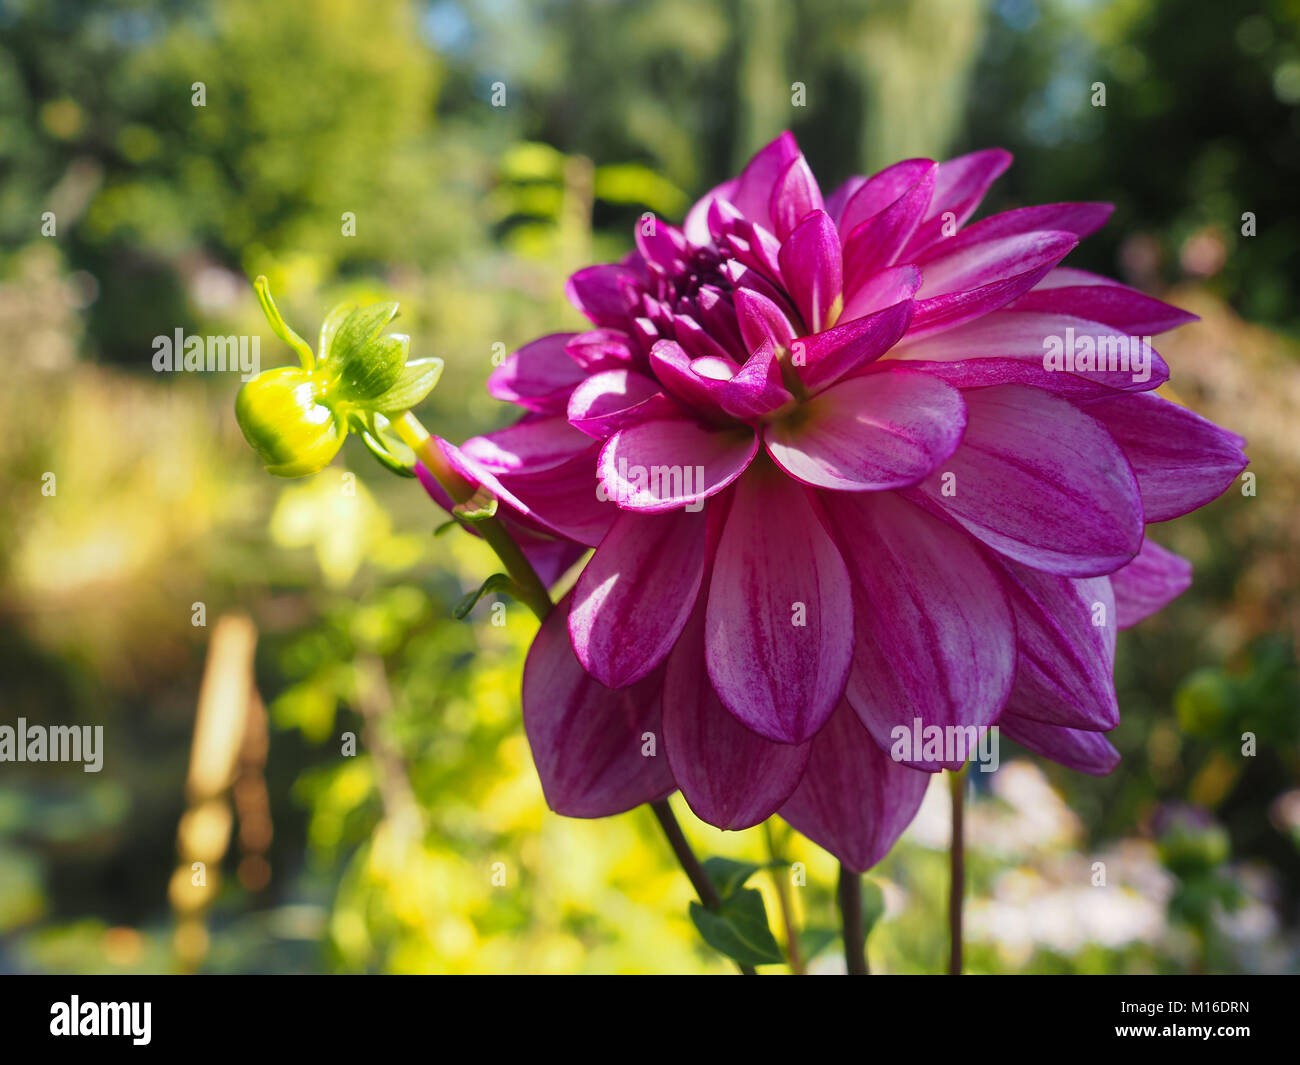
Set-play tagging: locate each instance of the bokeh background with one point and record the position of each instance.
(326, 604)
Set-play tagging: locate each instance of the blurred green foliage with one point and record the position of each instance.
(353, 152)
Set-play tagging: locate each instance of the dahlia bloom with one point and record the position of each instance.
(847, 464)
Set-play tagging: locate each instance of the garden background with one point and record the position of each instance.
(430, 849)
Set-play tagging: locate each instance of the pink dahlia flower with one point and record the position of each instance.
(847, 464)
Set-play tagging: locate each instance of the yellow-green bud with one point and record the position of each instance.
(283, 419)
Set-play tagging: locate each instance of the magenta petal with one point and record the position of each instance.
(531, 445)
(587, 740)
(1068, 509)
(756, 389)
(606, 294)
(779, 634)
(1154, 579)
(880, 191)
(616, 399)
(601, 349)
(664, 465)
(564, 498)
(811, 265)
(824, 358)
(731, 777)
(936, 639)
(880, 431)
(539, 376)
(1066, 637)
(1086, 751)
(959, 269)
(754, 186)
(1077, 292)
(853, 800)
(1029, 338)
(636, 593)
(884, 289)
(1181, 460)
(794, 195)
(876, 242)
(959, 186)
(1081, 219)
(696, 226)
(760, 319)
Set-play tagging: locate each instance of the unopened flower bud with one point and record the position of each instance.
(283, 419)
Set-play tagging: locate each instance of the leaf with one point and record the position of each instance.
(812, 941)
(371, 370)
(728, 876)
(330, 326)
(498, 582)
(739, 929)
(359, 328)
(393, 454)
(416, 381)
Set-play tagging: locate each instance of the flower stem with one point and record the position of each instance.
(532, 592)
(783, 897)
(957, 868)
(855, 938)
(691, 866)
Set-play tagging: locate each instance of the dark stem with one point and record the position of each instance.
(699, 879)
(957, 864)
(855, 939)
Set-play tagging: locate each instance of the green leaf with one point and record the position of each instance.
(278, 326)
(739, 929)
(728, 876)
(391, 453)
(416, 381)
(371, 370)
(358, 329)
(330, 327)
(812, 941)
(498, 582)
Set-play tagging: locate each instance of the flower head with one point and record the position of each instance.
(850, 466)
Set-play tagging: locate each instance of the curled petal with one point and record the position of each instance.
(634, 596)
(1154, 579)
(1181, 460)
(586, 739)
(664, 465)
(1067, 628)
(539, 376)
(879, 431)
(1086, 751)
(812, 266)
(936, 639)
(731, 777)
(853, 799)
(779, 634)
(1040, 482)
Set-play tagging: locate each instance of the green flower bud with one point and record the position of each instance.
(283, 419)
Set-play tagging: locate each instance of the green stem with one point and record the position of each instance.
(699, 879)
(855, 938)
(782, 886)
(957, 870)
(528, 586)
(532, 592)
